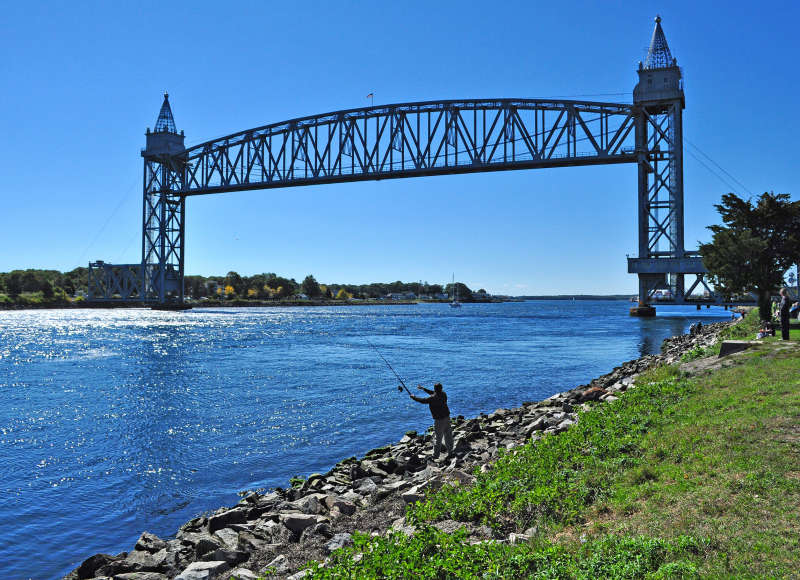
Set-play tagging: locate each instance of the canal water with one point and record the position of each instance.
(117, 421)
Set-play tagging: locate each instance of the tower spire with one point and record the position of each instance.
(658, 55)
(165, 122)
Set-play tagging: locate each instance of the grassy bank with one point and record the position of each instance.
(682, 477)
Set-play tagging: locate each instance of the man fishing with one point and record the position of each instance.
(437, 403)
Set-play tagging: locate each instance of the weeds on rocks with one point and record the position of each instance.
(434, 554)
(551, 481)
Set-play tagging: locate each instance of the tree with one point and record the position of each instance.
(47, 290)
(14, 284)
(752, 252)
(30, 282)
(463, 291)
(233, 279)
(310, 287)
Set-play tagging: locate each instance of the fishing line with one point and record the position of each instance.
(399, 378)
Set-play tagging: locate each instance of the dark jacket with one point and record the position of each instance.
(786, 303)
(437, 403)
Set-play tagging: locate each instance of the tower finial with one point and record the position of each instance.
(165, 122)
(658, 55)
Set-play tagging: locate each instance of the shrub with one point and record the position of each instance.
(434, 554)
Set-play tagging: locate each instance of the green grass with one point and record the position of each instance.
(680, 478)
(434, 554)
(725, 468)
(552, 481)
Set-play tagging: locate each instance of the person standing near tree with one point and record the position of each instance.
(440, 412)
(783, 310)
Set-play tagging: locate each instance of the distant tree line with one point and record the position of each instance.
(270, 286)
(50, 284)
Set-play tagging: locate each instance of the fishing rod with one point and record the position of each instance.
(399, 378)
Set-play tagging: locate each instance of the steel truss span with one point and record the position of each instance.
(421, 139)
(413, 139)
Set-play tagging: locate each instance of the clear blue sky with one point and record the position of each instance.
(82, 81)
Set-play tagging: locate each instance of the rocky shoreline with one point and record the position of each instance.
(285, 528)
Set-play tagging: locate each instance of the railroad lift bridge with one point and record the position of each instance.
(424, 139)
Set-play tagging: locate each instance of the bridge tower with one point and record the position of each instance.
(163, 225)
(658, 98)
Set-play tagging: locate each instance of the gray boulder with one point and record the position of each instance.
(365, 486)
(231, 557)
(150, 543)
(92, 564)
(564, 425)
(223, 519)
(338, 541)
(250, 542)
(203, 570)
(345, 507)
(310, 504)
(228, 537)
(141, 561)
(279, 565)
(275, 532)
(298, 522)
(413, 494)
(201, 542)
(243, 574)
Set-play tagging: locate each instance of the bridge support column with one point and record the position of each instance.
(163, 225)
(643, 311)
(662, 260)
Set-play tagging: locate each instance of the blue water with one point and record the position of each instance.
(117, 421)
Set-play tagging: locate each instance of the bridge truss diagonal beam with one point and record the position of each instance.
(413, 139)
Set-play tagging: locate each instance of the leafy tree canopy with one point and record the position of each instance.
(310, 287)
(758, 243)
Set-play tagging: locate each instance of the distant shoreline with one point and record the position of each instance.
(83, 304)
(232, 304)
(625, 297)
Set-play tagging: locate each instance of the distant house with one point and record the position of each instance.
(401, 296)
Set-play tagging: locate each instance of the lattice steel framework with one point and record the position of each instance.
(411, 140)
(423, 139)
(163, 229)
(662, 262)
(159, 277)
